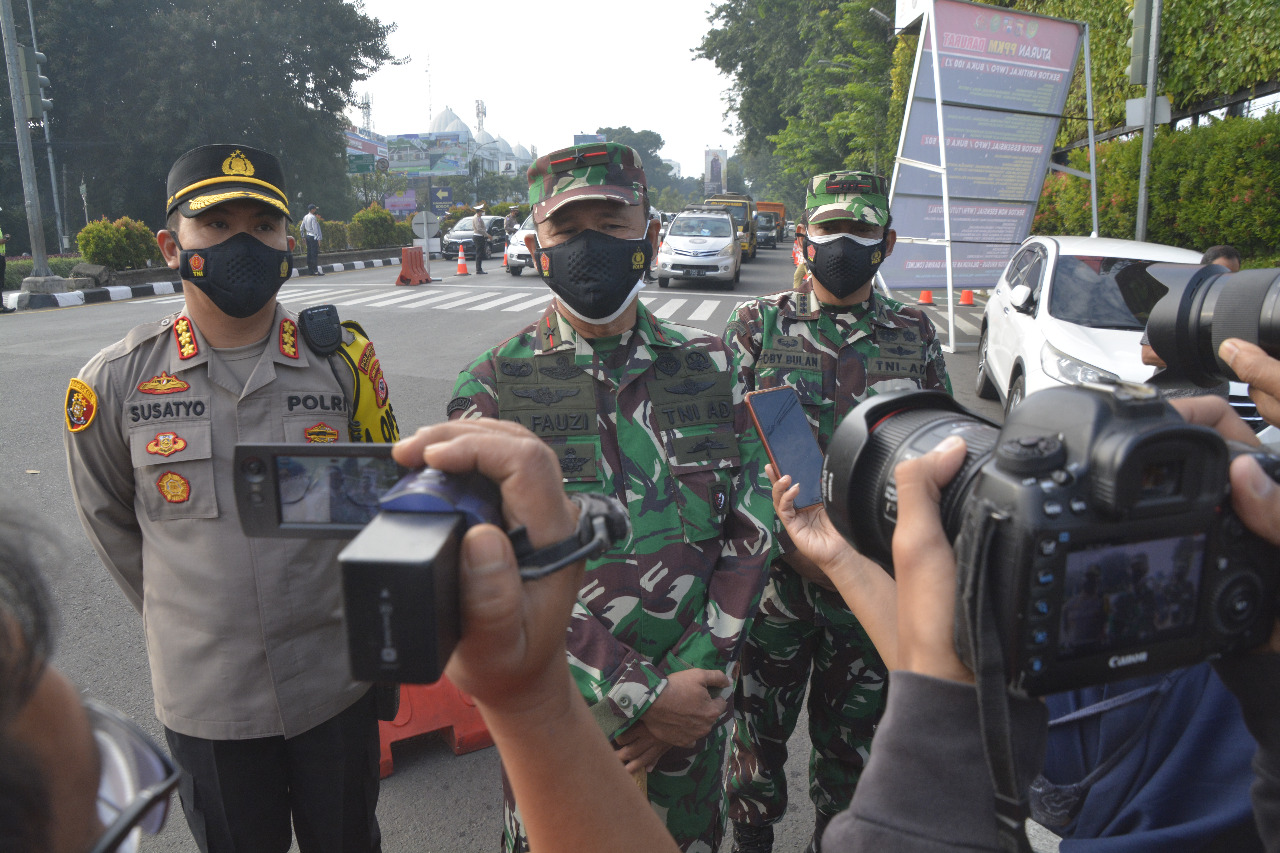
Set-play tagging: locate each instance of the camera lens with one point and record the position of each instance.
(858, 483)
(1205, 306)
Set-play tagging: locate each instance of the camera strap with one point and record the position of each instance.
(973, 552)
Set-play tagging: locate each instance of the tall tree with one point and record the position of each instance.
(140, 81)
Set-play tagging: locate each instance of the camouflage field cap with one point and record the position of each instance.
(600, 170)
(863, 196)
(212, 174)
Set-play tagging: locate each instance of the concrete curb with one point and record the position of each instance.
(22, 299)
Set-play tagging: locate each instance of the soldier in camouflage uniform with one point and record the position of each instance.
(837, 342)
(647, 411)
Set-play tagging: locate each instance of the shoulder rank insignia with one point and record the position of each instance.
(81, 406)
(321, 433)
(174, 487)
(366, 358)
(668, 364)
(706, 445)
(163, 383)
(698, 361)
(185, 335)
(571, 462)
(689, 387)
(516, 369)
(288, 338)
(545, 396)
(457, 404)
(166, 444)
(563, 369)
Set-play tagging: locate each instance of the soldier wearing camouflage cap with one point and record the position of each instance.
(644, 410)
(838, 342)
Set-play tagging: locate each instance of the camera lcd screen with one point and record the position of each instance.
(1123, 596)
(333, 489)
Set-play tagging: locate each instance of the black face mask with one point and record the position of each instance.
(842, 265)
(595, 275)
(239, 275)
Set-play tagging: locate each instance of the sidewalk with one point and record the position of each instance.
(22, 299)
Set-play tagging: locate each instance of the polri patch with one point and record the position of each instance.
(185, 335)
(320, 433)
(163, 383)
(366, 358)
(380, 389)
(288, 338)
(166, 444)
(81, 406)
(174, 488)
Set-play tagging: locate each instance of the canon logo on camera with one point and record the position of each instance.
(1117, 661)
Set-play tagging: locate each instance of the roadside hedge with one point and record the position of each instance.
(125, 244)
(1208, 185)
(373, 228)
(16, 269)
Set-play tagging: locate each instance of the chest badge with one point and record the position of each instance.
(81, 406)
(545, 396)
(163, 383)
(185, 336)
(174, 488)
(320, 433)
(571, 463)
(166, 444)
(698, 361)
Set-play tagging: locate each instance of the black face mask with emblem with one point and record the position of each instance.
(842, 265)
(595, 275)
(239, 275)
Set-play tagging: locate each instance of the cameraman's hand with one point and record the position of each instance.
(686, 709)
(925, 566)
(511, 654)
(1252, 364)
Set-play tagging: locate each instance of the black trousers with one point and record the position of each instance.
(242, 795)
(480, 244)
(313, 253)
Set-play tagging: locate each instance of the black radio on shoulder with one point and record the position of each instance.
(1094, 534)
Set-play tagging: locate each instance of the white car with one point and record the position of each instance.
(518, 256)
(1073, 309)
(700, 244)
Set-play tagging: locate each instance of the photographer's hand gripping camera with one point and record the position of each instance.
(400, 572)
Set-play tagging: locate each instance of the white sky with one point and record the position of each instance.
(547, 69)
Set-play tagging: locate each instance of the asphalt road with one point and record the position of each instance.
(435, 801)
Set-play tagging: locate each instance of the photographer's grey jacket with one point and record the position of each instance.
(244, 636)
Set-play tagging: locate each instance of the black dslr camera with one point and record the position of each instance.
(1094, 530)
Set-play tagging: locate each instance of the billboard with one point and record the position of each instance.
(400, 204)
(714, 162)
(588, 138)
(1004, 78)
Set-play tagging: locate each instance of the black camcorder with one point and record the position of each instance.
(1096, 526)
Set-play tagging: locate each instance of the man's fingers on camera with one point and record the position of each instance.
(1252, 364)
(1216, 413)
(1256, 498)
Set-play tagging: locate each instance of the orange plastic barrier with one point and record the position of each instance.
(926, 298)
(462, 262)
(428, 708)
(412, 270)
(966, 297)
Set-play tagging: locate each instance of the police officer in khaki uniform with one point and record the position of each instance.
(245, 637)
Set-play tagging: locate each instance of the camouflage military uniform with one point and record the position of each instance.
(835, 358)
(656, 421)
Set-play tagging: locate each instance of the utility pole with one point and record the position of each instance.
(1149, 115)
(26, 160)
(48, 143)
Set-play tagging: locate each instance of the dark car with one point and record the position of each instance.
(767, 229)
(463, 234)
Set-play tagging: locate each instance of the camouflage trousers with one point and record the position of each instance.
(686, 789)
(788, 649)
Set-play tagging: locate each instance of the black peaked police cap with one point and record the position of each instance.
(211, 174)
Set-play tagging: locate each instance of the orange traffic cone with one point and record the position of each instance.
(504, 257)
(966, 297)
(926, 298)
(462, 262)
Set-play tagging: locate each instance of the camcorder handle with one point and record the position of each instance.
(978, 643)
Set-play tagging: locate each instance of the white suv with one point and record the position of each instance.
(700, 244)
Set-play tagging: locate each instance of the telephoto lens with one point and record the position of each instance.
(1205, 306)
(858, 485)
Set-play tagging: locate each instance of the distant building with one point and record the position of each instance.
(675, 168)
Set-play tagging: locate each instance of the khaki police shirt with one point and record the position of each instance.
(245, 636)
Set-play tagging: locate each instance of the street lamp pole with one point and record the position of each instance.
(48, 142)
(26, 160)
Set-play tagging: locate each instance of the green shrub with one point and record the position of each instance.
(16, 269)
(125, 244)
(404, 234)
(373, 228)
(333, 237)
